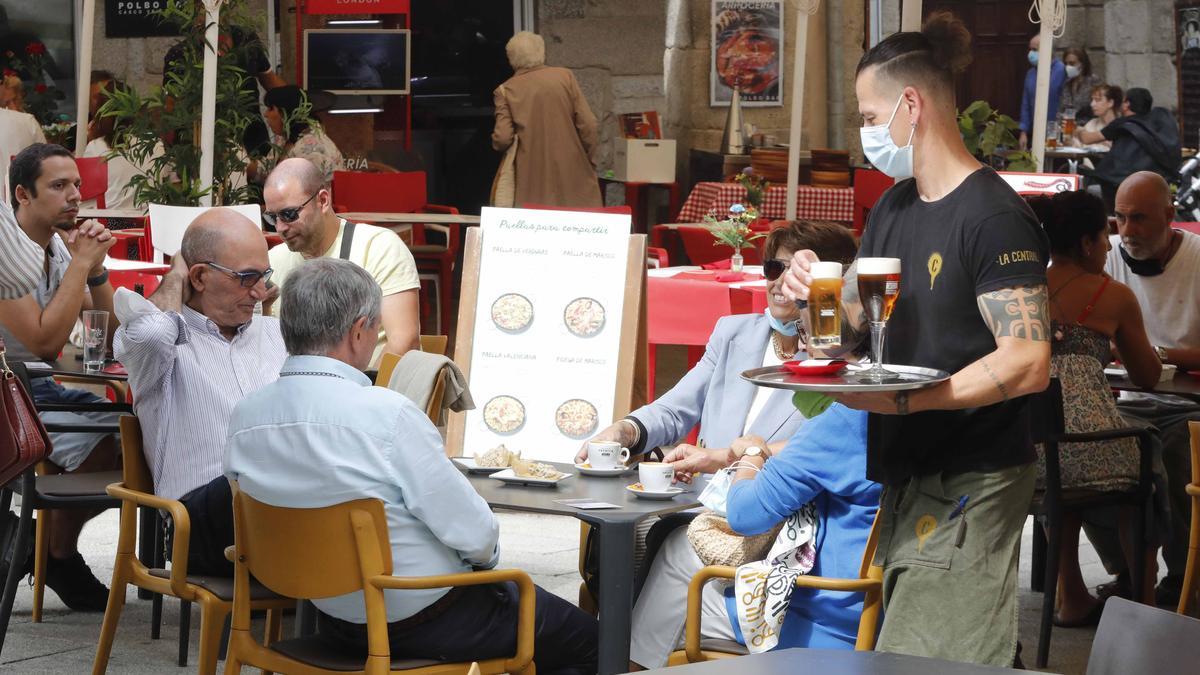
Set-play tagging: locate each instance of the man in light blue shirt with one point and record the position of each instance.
(322, 435)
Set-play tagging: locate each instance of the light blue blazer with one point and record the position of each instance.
(714, 394)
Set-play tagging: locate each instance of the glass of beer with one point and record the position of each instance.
(1068, 124)
(825, 305)
(1052, 135)
(878, 288)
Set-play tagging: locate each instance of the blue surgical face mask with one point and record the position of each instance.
(785, 329)
(1033, 57)
(883, 153)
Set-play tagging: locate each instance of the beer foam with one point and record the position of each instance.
(879, 266)
(825, 270)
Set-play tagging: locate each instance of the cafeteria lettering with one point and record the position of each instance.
(1018, 257)
(511, 355)
(526, 251)
(588, 254)
(546, 227)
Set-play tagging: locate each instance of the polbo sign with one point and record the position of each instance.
(135, 18)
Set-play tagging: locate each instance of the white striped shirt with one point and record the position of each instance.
(20, 257)
(186, 379)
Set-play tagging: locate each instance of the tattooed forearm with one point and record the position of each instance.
(995, 380)
(1017, 312)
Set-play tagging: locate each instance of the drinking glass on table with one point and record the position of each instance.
(95, 334)
(825, 304)
(878, 288)
(1052, 135)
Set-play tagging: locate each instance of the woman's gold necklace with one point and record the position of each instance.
(779, 352)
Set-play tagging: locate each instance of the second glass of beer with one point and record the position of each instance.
(878, 288)
(825, 305)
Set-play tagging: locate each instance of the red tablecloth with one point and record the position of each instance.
(812, 203)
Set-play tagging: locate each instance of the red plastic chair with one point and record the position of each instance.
(698, 245)
(1190, 227)
(405, 192)
(869, 186)
(619, 210)
(93, 177)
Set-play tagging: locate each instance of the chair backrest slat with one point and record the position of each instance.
(307, 553)
(134, 469)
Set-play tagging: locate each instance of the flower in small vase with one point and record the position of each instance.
(756, 187)
(734, 230)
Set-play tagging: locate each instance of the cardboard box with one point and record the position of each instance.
(644, 161)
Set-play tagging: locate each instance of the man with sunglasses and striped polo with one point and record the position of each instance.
(194, 349)
(300, 206)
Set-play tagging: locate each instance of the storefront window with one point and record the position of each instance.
(37, 54)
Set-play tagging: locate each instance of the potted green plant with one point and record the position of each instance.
(734, 231)
(992, 137)
(160, 131)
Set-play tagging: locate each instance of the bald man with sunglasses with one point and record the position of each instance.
(194, 349)
(300, 206)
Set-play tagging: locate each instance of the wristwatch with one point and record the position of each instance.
(754, 451)
(1162, 353)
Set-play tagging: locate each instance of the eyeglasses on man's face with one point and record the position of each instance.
(288, 215)
(247, 278)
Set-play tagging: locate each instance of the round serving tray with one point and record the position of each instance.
(909, 377)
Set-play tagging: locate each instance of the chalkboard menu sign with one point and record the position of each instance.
(1187, 30)
(136, 18)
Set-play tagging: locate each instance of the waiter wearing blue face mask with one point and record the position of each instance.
(1058, 77)
(956, 460)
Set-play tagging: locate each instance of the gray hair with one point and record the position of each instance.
(320, 302)
(525, 50)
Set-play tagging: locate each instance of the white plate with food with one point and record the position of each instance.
(510, 476)
(587, 470)
(643, 493)
(470, 466)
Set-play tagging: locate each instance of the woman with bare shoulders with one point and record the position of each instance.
(1090, 313)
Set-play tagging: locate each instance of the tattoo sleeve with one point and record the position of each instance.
(1018, 312)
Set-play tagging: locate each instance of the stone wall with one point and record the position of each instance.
(1131, 43)
(615, 49)
(696, 124)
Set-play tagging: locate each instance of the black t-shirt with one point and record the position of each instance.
(979, 238)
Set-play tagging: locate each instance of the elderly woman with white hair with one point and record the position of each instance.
(543, 111)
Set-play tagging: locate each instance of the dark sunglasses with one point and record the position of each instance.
(773, 269)
(248, 278)
(288, 215)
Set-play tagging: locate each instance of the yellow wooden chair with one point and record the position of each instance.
(1191, 574)
(331, 551)
(432, 344)
(869, 583)
(213, 594)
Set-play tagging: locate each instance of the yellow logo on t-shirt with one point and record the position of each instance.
(935, 267)
(926, 524)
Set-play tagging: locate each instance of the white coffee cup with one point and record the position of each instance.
(655, 476)
(606, 454)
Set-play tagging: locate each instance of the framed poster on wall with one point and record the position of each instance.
(747, 52)
(547, 330)
(136, 18)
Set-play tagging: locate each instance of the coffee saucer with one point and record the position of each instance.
(587, 470)
(643, 493)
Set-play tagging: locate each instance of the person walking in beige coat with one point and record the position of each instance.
(543, 111)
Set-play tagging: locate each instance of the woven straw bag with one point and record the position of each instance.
(716, 543)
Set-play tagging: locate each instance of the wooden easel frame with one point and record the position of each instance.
(630, 359)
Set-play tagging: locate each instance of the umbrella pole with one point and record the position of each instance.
(83, 78)
(208, 100)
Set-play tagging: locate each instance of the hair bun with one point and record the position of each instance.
(949, 41)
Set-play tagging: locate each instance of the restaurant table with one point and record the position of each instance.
(812, 203)
(1184, 384)
(832, 662)
(1075, 155)
(615, 543)
(130, 214)
(411, 218)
